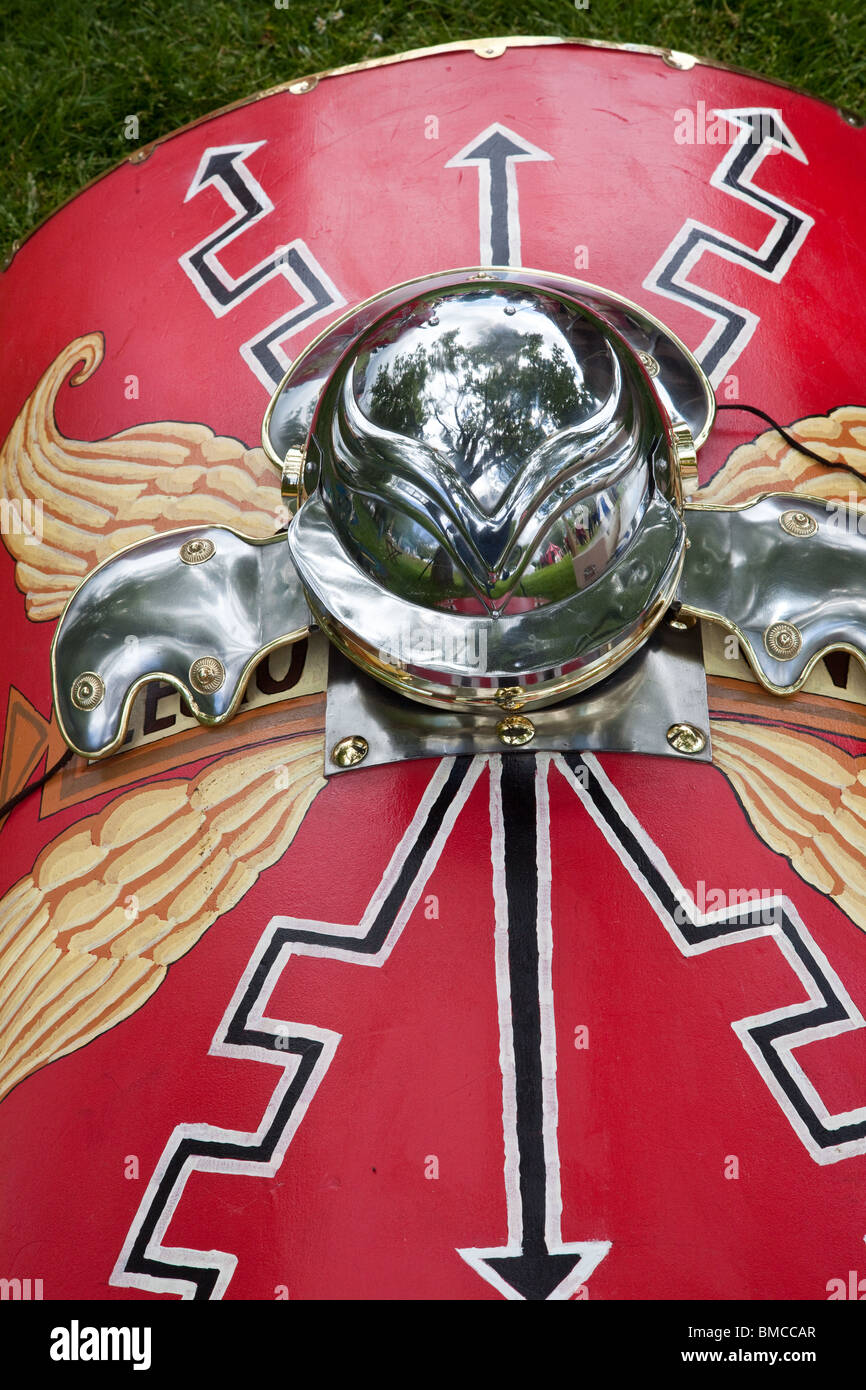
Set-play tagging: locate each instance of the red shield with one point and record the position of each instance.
(532, 1027)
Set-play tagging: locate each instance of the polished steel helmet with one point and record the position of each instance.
(492, 502)
(484, 475)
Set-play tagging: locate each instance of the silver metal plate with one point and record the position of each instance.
(197, 607)
(631, 712)
(787, 574)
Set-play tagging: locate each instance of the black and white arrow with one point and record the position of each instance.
(535, 1264)
(761, 131)
(495, 152)
(224, 168)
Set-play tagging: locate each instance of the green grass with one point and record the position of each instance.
(72, 70)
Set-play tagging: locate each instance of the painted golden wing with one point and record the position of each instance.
(768, 464)
(96, 497)
(806, 799)
(805, 796)
(89, 934)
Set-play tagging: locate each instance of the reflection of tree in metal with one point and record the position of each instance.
(488, 412)
(486, 431)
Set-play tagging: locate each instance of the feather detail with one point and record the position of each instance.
(89, 934)
(96, 497)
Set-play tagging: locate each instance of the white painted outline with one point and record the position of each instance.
(220, 1260)
(464, 160)
(742, 1027)
(735, 251)
(591, 1252)
(280, 268)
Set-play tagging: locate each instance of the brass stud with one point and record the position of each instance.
(515, 730)
(350, 751)
(783, 640)
(197, 551)
(509, 697)
(682, 622)
(687, 738)
(798, 523)
(649, 362)
(675, 59)
(88, 690)
(490, 49)
(207, 674)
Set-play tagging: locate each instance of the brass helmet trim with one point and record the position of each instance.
(680, 383)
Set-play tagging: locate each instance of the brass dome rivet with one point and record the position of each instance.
(197, 551)
(515, 730)
(88, 690)
(687, 738)
(207, 674)
(509, 697)
(798, 523)
(675, 59)
(682, 622)
(649, 362)
(350, 751)
(783, 640)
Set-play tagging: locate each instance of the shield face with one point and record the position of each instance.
(520, 1025)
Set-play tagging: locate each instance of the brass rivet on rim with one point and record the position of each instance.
(510, 697)
(649, 363)
(195, 552)
(350, 751)
(798, 523)
(675, 59)
(687, 738)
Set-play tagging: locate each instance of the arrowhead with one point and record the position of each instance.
(218, 162)
(496, 143)
(766, 125)
(538, 1276)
